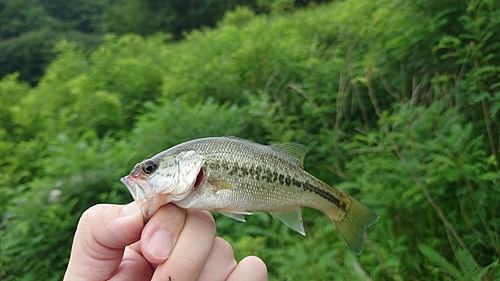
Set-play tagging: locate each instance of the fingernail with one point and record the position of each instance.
(131, 209)
(160, 244)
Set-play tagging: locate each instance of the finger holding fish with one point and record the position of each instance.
(192, 248)
(161, 232)
(196, 253)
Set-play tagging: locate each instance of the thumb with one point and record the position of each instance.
(102, 234)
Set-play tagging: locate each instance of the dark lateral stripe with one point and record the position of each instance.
(272, 176)
(318, 191)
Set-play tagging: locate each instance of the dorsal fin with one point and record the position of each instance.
(295, 150)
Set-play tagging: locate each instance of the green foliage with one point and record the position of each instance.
(440, 261)
(18, 17)
(429, 162)
(81, 15)
(44, 252)
(164, 125)
(396, 101)
(175, 17)
(239, 16)
(11, 90)
(31, 28)
(101, 93)
(468, 270)
(28, 54)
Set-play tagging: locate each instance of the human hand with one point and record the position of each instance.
(112, 243)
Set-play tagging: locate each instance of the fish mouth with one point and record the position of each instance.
(143, 194)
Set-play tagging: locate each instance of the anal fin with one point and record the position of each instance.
(292, 218)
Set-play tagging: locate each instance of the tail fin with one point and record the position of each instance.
(353, 224)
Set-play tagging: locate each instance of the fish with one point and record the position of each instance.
(236, 177)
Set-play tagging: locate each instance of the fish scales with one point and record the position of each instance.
(228, 159)
(236, 177)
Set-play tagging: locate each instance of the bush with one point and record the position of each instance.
(395, 101)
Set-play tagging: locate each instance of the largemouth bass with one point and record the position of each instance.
(237, 177)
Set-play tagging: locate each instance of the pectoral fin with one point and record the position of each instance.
(291, 218)
(221, 185)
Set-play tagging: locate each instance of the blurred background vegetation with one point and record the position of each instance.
(397, 102)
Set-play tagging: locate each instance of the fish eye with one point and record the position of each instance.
(149, 167)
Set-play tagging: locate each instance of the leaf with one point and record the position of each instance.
(467, 266)
(437, 259)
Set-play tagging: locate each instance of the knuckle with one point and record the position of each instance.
(224, 248)
(91, 214)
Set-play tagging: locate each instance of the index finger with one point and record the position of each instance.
(161, 232)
